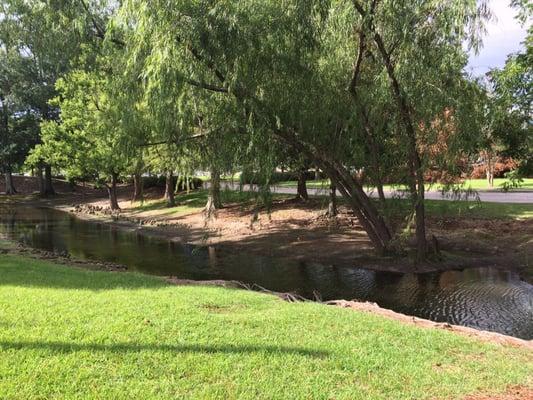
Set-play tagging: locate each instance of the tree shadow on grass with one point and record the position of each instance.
(66, 348)
(13, 272)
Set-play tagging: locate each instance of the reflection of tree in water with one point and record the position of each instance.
(356, 283)
(333, 282)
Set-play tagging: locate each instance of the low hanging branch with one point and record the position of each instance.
(175, 141)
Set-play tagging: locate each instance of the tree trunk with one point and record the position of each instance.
(490, 169)
(349, 187)
(40, 180)
(112, 192)
(137, 187)
(416, 185)
(169, 189)
(332, 205)
(10, 187)
(301, 193)
(48, 187)
(214, 201)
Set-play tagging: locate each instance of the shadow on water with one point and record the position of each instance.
(62, 347)
(484, 298)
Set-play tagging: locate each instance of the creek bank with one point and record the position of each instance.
(287, 234)
(301, 231)
(359, 306)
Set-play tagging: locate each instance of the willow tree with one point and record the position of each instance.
(512, 97)
(291, 85)
(419, 49)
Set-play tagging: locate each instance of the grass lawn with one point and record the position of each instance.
(196, 200)
(482, 184)
(70, 333)
(475, 184)
(439, 208)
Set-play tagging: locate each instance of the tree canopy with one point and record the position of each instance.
(365, 90)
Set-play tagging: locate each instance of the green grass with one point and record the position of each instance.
(474, 184)
(195, 201)
(482, 184)
(70, 333)
(439, 208)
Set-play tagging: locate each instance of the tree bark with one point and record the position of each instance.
(301, 192)
(169, 189)
(332, 205)
(490, 169)
(48, 189)
(112, 192)
(40, 179)
(10, 186)
(138, 190)
(416, 185)
(214, 201)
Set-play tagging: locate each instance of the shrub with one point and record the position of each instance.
(501, 167)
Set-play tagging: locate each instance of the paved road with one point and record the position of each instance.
(523, 197)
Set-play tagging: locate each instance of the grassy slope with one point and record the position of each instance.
(69, 333)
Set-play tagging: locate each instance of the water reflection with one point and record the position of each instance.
(485, 298)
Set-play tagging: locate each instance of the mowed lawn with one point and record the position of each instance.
(72, 333)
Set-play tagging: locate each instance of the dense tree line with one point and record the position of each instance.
(368, 91)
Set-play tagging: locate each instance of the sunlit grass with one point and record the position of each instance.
(69, 333)
(479, 209)
(195, 201)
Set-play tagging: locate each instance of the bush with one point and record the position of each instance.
(501, 167)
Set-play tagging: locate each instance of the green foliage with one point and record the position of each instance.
(88, 140)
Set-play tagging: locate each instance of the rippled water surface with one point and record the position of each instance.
(484, 298)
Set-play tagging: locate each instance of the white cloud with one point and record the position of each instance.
(504, 36)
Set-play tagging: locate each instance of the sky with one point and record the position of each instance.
(504, 36)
